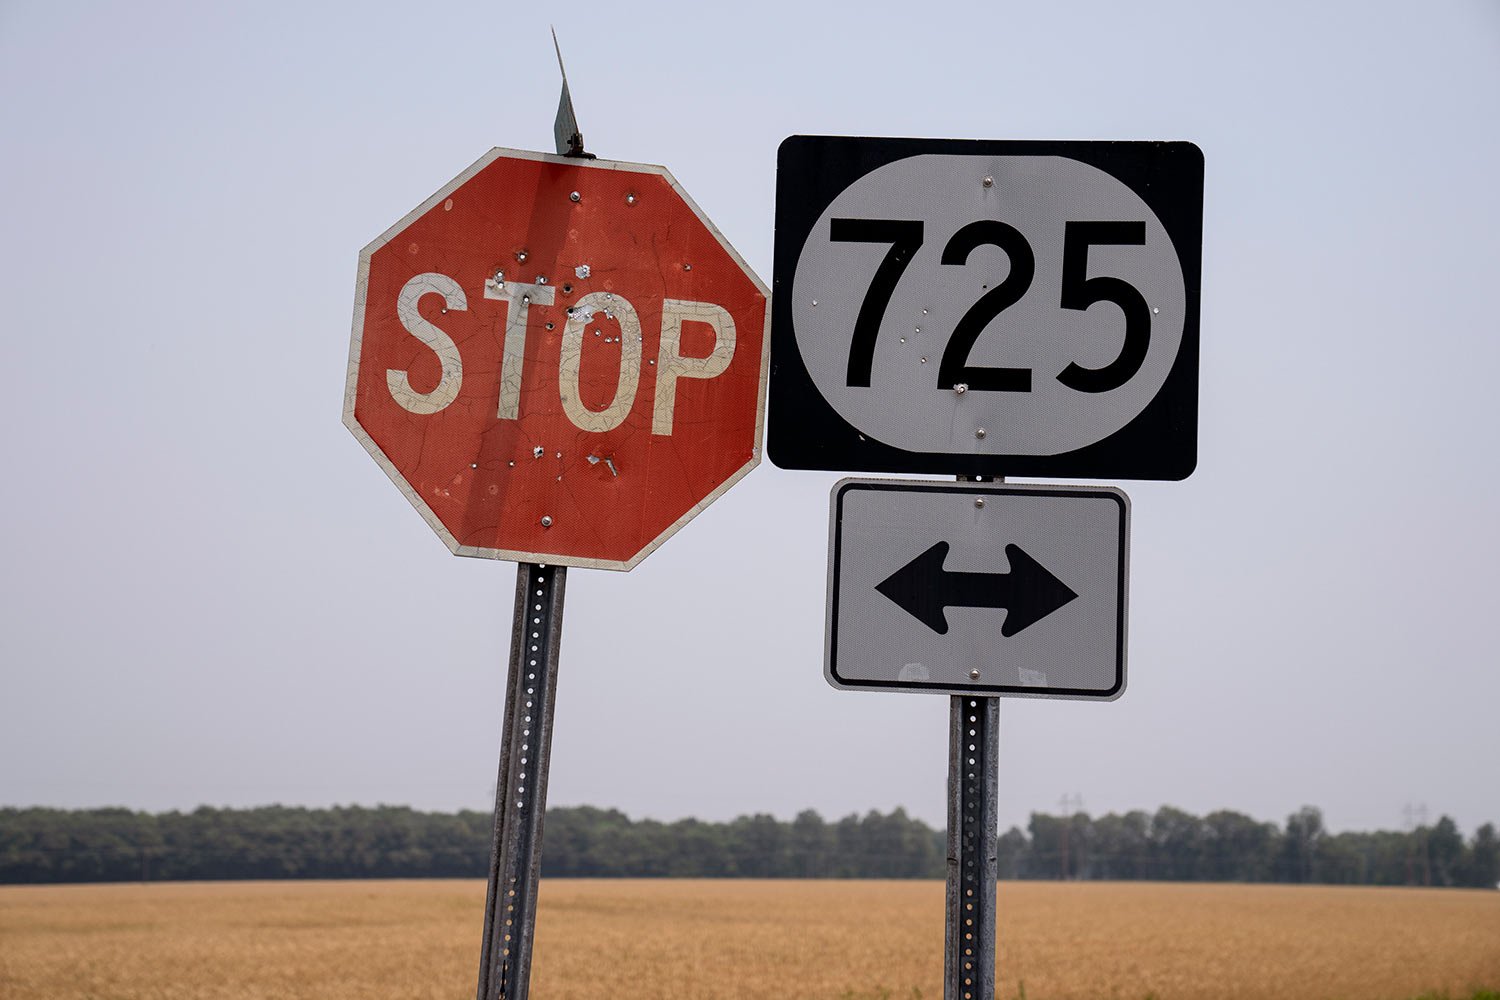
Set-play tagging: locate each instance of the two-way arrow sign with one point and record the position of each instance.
(925, 590)
(1012, 590)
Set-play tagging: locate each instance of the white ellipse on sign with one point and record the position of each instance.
(937, 199)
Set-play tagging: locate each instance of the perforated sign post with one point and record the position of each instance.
(559, 361)
(983, 309)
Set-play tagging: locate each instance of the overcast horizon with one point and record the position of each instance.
(212, 595)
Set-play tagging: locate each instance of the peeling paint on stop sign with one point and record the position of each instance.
(558, 360)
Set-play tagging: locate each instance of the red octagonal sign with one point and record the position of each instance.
(558, 360)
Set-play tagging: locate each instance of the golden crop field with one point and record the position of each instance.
(716, 940)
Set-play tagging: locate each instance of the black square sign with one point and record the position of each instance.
(986, 308)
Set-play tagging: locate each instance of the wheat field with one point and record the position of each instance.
(716, 940)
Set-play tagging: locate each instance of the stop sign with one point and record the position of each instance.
(558, 360)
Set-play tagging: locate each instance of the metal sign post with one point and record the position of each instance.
(973, 824)
(526, 743)
(521, 790)
(973, 768)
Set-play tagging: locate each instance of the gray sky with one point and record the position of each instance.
(211, 594)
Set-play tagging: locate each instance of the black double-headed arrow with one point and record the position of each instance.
(923, 589)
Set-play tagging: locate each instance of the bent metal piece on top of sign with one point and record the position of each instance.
(987, 308)
(558, 360)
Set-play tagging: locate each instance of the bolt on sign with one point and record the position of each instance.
(558, 360)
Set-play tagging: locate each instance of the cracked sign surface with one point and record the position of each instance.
(558, 360)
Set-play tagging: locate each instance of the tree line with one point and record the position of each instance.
(1227, 846)
(275, 842)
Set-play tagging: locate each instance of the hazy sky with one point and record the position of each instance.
(211, 594)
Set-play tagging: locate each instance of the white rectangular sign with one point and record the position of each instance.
(974, 587)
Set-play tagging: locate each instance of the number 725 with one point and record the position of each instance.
(1078, 292)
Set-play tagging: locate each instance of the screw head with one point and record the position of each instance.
(979, 501)
(546, 520)
(520, 256)
(575, 196)
(973, 675)
(630, 199)
(989, 182)
(961, 388)
(979, 432)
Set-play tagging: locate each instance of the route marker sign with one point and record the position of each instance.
(987, 308)
(558, 360)
(978, 588)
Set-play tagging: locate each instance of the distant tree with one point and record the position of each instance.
(1122, 846)
(1483, 863)
(1388, 854)
(849, 848)
(697, 850)
(758, 847)
(1012, 854)
(1177, 842)
(584, 842)
(1300, 845)
(896, 846)
(1344, 858)
(646, 850)
(1445, 848)
(810, 846)
(1237, 848)
(1046, 846)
